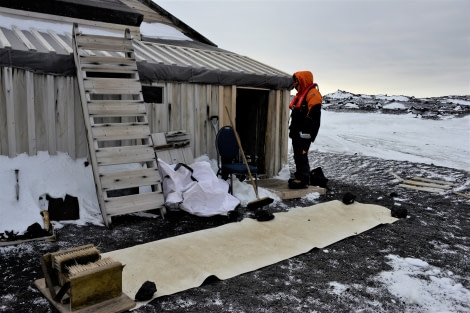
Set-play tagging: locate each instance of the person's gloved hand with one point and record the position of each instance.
(305, 135)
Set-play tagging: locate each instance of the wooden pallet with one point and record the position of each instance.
(118, 133)
(173, 147)
(281, 189)
(425, 184)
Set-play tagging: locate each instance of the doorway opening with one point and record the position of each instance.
(251, 120)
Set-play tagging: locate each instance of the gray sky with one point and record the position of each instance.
(415, 48)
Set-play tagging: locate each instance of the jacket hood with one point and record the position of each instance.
(305, 79)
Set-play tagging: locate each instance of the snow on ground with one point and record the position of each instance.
(430, 288)
(396, 137)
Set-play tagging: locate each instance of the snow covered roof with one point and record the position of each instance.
(163, 53)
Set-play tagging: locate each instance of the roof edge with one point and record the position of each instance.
(188, 31)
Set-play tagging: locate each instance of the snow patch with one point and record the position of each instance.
(418, 283)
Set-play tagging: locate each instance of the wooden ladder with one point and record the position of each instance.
(121, 151)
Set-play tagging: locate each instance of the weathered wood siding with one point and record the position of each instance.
(43, 113)
(40, 113)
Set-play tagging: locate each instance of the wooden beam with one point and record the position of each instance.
(10, 110)
(51, 126)
(60, 41)
(31, 116)
(23, 38)
(42, 40)
(3, 40)
(71, 117)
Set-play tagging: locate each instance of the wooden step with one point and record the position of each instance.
(115, 108)
(111, 69)
(107, 43)
(134, 203)
(112, 86)
(114, 132)
(108, 61)
(129, 179)
(123, 155)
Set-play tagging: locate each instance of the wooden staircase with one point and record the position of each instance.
(120, 146)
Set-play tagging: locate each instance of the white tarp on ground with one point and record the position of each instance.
(183, 262)
(195, 189)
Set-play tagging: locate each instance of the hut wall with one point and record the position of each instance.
(40, 113)
(189, 106)
(43, 113)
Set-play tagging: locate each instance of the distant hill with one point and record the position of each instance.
(433, 108)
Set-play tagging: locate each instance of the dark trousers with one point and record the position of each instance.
(302, 166)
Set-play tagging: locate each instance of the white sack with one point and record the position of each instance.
(199, 192)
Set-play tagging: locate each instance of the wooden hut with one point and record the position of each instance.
(185, 81)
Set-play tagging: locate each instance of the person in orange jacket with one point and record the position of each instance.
(304, 124)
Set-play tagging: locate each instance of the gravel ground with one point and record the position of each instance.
(340, 278)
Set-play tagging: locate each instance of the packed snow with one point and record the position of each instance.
(387, 136)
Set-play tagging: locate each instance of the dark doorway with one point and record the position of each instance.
(251, 120)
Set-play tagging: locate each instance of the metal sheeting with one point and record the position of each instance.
(45, 51)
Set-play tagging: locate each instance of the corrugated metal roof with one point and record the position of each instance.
(181, 54)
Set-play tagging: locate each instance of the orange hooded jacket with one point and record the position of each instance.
(305, 107)
(306, 90)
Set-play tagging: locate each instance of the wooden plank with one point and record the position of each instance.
(31, 116)
(60, 41)
(165, 156)
(422, 188)
(62, 124)
(124, 85)
(425, 184)
(10, 111)
(107, 61)
(159, 139)
(188, 156)
(123, 108)
(99, 42)
(134, 203)
(124, 155)
(114, 132)
(41, 39)
(128, 179)
(23, 38)
(113, 69)
(51, 114)
(176, 156)
(71, 116)
(466, 195)
(281, 189)
(434, 181)
(3, 40)
(17, 242)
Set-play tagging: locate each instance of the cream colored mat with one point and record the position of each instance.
(183, 262)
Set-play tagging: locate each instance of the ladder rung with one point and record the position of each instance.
(124, 155)
(112, 86)
(106, 61)
(114, 69)
(134, 203)
(109, 43)
(115, 132)
(128, 179)
(116, 109)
